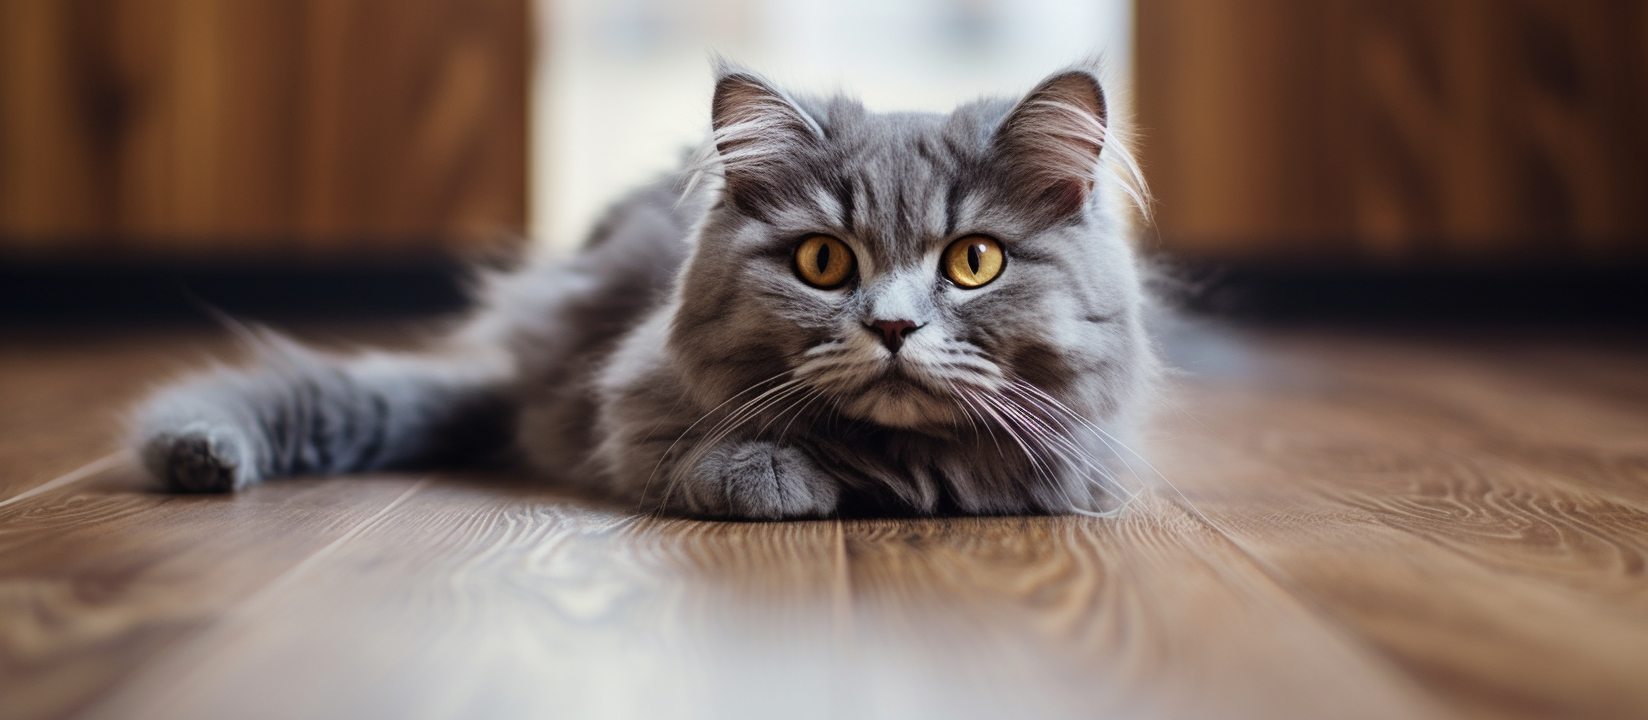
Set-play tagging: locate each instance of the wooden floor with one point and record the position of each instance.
(1359, 524)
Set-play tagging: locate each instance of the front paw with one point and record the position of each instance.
(764, 481)
(200, 459)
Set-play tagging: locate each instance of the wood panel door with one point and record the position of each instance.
(1397, 132)
(290, 129)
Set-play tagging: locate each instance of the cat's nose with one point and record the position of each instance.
(893, 332)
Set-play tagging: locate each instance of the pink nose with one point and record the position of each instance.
(893, 332)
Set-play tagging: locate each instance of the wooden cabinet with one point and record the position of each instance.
(1397, 132)
(250, 129)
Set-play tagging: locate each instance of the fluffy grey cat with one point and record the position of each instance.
(828, 311)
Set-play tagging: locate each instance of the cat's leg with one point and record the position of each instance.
(758, 480)
(656, 447)
(303, 412)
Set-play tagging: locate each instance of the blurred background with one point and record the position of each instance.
(625, 85)
(332, 156)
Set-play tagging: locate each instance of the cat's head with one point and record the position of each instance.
(899, 266)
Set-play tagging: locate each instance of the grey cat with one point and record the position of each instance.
(828, 311)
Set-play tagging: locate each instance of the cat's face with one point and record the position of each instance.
(898, 267)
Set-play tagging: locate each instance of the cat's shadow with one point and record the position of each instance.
(520, 484)
(497, 484)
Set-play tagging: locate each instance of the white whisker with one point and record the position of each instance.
(1045, 452)
(695, 424)
(725, 427)
(1036, 461)
(811, 397)
(1107, 481)
(1103, 436)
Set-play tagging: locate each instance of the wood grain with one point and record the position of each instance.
(1352, 524)
(1153, 615)
(552, 608)
(503, 600)
(1481, 520)
(213, 129)
(1408, 132)
(102, 576)
(61, 400)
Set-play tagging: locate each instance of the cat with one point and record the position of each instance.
(826, 311)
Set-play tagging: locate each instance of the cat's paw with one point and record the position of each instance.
(200, 459)
(765, 481)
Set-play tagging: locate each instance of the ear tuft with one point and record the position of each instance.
(1052, 139)
(758, 133)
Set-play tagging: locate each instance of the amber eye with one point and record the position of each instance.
(973, 261)
(823, 261)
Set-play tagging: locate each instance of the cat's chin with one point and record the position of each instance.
(901, 403)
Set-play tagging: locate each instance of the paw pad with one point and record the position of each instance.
(193, 463)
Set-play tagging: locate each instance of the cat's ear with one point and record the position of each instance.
(1050, 141)
(758, 133)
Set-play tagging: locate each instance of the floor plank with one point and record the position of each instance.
(513, 602)
(1154, 615)
(1357, 524)
(62, 400)
(480, 599)
(99, 578)
(1484, 522)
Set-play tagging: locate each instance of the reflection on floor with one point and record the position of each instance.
(1390, 525)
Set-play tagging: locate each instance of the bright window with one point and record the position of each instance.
(624, 85)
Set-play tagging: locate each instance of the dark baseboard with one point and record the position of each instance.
(111, 293)
(84, 292)
(1557, 294)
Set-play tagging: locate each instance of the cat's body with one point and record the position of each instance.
(711, 351)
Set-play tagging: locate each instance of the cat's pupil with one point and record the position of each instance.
(973, 258)
(823, 258)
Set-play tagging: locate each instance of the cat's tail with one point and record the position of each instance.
(303, 411)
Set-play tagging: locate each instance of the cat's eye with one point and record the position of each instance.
(973, 261)
(824, 262)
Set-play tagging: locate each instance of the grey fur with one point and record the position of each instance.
(678, 362)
